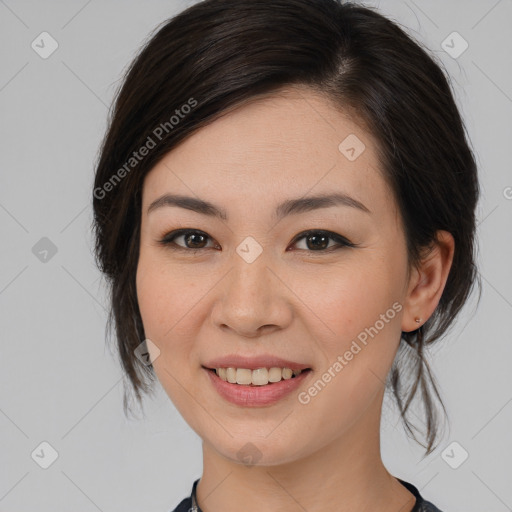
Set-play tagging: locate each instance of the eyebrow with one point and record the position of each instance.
(288, 207)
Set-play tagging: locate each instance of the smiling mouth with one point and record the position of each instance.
(257, 377)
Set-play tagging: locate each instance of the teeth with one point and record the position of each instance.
(258, 377)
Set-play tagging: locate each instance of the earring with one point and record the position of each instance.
(417, 320)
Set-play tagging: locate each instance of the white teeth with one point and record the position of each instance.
(275, 374)
(243, 376)
(258, 377)
(231, 375)
(287, 373)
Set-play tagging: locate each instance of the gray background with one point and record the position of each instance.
(60, 382)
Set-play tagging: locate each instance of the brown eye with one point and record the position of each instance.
(196, 240)
(192, 240)
(318, 241)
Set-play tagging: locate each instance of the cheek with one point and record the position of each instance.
(363, 317)
(153, 298)
(166, 303)
(361, 312)
(165, 295)
(171, 301)
(354, 298)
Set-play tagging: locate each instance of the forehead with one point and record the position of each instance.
(286, 144)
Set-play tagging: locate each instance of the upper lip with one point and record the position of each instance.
(253, 362)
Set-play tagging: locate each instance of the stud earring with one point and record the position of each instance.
(417, 320)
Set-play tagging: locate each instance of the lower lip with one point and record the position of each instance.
(255, 396)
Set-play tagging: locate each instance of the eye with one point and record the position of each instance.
(317, 240)
(196, 238)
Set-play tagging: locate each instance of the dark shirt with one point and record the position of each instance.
(421, 505)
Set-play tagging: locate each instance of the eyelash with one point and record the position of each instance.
(168, 240)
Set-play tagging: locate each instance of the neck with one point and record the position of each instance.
(347, 474)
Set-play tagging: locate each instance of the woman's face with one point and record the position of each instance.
(247, 285)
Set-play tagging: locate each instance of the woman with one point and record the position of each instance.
(285, 210)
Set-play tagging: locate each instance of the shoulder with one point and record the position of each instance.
(426, 506)
(422, 505)
(184, 506)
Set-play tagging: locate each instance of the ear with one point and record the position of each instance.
(427, 282)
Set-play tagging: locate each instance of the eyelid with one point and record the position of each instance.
(340, 239)
(168, 240)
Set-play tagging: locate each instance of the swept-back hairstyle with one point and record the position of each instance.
(219, 54)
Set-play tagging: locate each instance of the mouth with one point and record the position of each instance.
(256, 377)
(262, 392)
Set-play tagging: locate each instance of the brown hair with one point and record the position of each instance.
(219, 54)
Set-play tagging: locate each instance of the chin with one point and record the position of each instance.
(251, 451)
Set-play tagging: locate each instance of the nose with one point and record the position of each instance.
(252, 300)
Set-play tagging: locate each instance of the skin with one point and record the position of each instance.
(302, 304)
